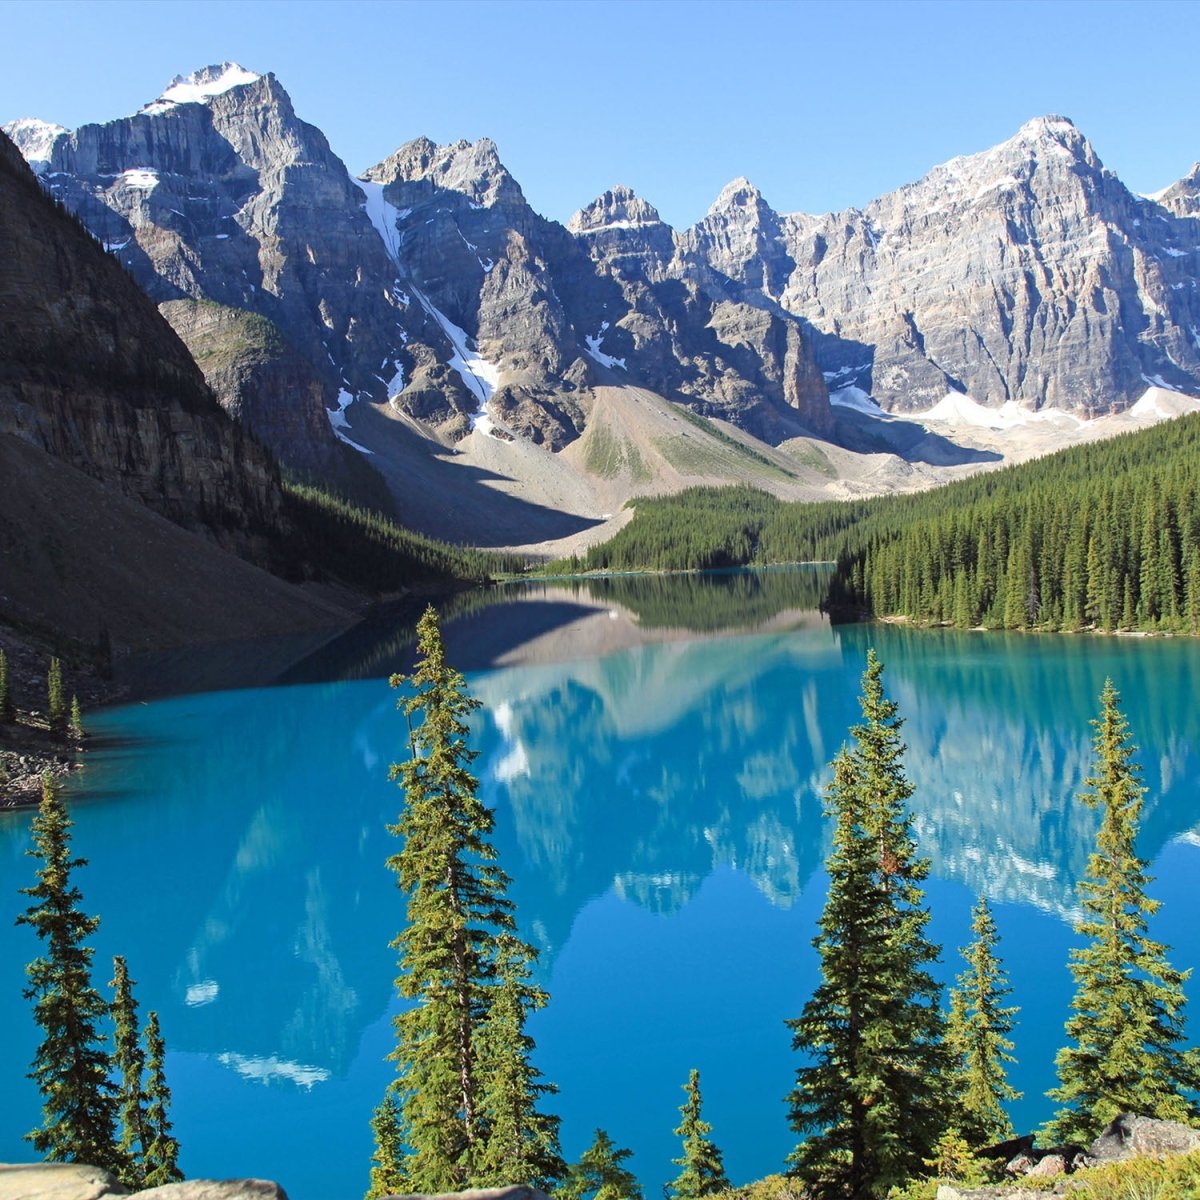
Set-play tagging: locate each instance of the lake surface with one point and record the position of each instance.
(656, 751)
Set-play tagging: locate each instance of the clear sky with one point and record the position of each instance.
(822, 105)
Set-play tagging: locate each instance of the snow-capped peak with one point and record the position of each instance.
(35, 140)
(202, 85)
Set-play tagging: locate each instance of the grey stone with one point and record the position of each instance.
(56, 1181)
(217, 1189)
(1130, 1136)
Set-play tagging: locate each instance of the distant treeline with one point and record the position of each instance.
(366, 550)
(1103, 536)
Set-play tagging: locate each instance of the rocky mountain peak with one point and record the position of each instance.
(472, 169)
(739, 193)
(1182, 198)
(201, 86)
(618, 208)
(35, 139)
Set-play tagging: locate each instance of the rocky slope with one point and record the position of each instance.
(93, 376)
(126, 484)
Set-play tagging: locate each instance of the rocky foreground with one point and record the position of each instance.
(1033, 1173)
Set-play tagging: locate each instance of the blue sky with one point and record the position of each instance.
(822, 105)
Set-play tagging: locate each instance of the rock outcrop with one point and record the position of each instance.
(1131, 1136)
(217, 191)
(94, 376)
(74, 1181)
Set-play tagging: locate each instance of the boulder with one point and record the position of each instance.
(1131, 1136)
(56, 1181)
(218, 1189)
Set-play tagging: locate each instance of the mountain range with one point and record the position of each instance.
(514, 380)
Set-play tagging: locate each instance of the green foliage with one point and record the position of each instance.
(703, 1172)
(977, 1038)
(599, 1175)
(521, 1142)
(1127, 1021)
(365, 549)
(870, 1093)
(387, 1169)
(76, 717)
(71, 1066)
(160, 1153)
(460, 959)
(1173, 1178)
(699, 529)
(1104, 536)
(129, 1061)
(7, 712)
(55, 698)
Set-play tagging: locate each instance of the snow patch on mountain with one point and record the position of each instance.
(481, 377)
(957, 408)
(337, 419)
(855, 398)
(35, 140)
(200, 86)
(382, 215)
(594, 351)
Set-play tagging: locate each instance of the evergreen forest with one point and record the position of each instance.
(1103, 536)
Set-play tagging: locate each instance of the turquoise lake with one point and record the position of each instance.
(656, 752)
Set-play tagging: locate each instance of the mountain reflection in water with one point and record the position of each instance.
(659, 807)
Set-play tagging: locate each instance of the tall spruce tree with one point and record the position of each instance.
(387, 1168)
(871, 1092)
(1127, 1021)
(599, 1175)
(6, 703)
(129, 1061)
(72, 1064)
(56, 701)
(521, 1142)
(458, 912)
(160, 1156)
(977, 1038)
(702, 1169)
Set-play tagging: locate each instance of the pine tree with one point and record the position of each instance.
(160, 1157)
(520, 1143)
(599, 1175)
(387, 1171)
(1127, 1021)
(457, 913)
(56, 704)
(703, 1172)
(977, 1038)
(871, 1091)
(129, 1061)
(72, 1064)
(6, 704)
(76, 718)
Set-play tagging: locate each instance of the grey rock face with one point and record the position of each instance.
(1026, 273)
(480, 259)
(93, 375)
(217, 191)
(1131, 1136)
(1183, 198)
(696, 332)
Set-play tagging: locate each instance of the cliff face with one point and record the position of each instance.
(93, 375)
(1027, 273)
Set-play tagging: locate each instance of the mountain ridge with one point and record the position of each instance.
(428, 286)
